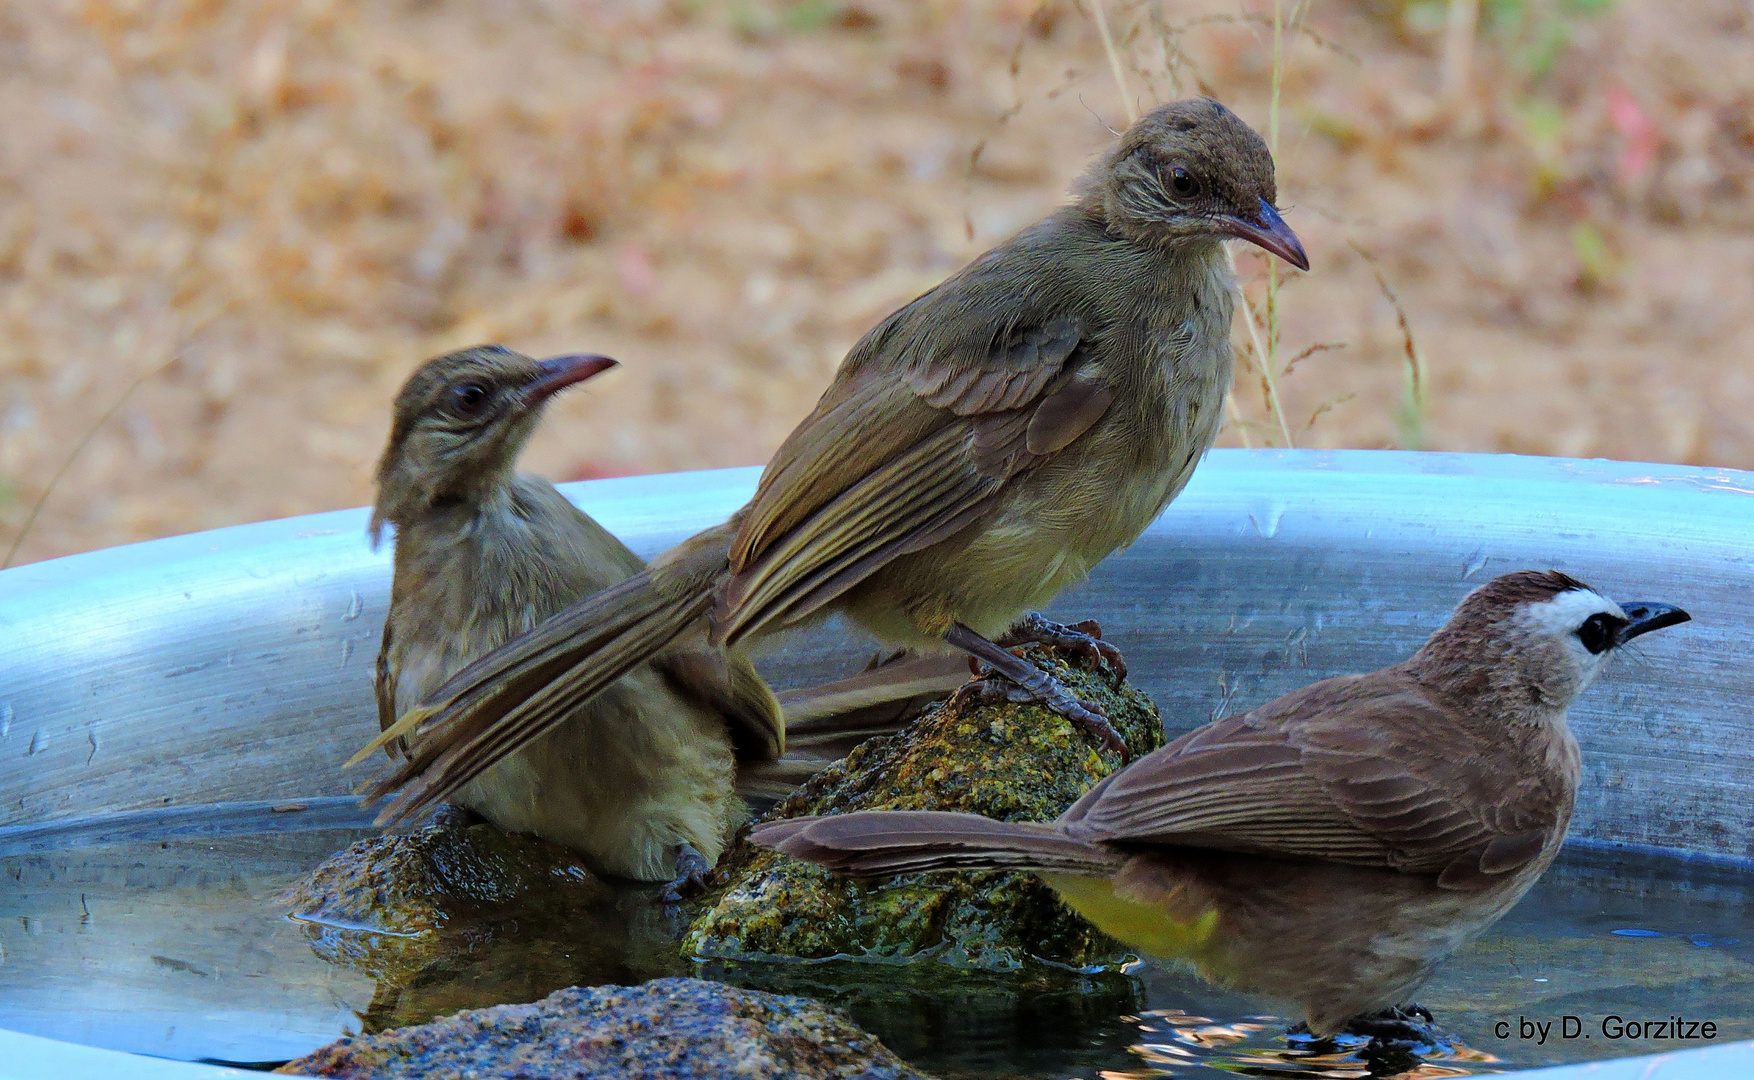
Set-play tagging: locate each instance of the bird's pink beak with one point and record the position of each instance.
(1269, 231)
(560, 372)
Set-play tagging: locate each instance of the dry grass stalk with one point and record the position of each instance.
(1309, 351)
(1263, 347)
(73, 455)
(1325, 406)
(1413, 410)
(1268, 357)
(1114, 61)
(1458, 50)
(1261, 356)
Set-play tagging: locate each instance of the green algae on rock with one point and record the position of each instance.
(666, 1029)
(1005, 761)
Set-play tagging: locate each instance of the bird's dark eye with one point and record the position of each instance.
(468, 399)
(1598, 632)
(1182, 182)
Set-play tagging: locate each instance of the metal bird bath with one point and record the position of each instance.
(182, 686)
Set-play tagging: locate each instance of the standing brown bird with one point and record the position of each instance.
(640, 780)
(978, 451)
(1333, 845)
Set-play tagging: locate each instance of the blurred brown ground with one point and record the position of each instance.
(288, 204)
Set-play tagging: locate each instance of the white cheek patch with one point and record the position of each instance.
(1560, 617)
(1566, 612)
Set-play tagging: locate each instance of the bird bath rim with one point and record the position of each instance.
(1273, 569)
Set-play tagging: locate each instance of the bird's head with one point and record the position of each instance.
(1537, 638)
(1190, 170)
(460, 422)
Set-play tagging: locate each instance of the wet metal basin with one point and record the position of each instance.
(198, 678)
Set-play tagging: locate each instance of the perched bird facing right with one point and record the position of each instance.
(1333, 845)
(978, 451)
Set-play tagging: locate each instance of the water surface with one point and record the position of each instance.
(174, 944)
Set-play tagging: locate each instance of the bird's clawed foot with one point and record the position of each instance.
(1049, 693)
(692, 870)
(1410, 1028)
(1080, 637)
(1398, 1038)
(1017, 680)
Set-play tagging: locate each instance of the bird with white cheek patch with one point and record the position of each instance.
(1333, 845)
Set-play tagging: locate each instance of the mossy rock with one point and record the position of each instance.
(411, 883)
(1005, 761)
(450, 917)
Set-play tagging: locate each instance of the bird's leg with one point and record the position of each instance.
(1080, 637)
(1036, 686)
(691, 874)
(456, 816)
(380, 1015)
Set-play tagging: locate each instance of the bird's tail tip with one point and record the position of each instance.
(406, 724)
(884, 843)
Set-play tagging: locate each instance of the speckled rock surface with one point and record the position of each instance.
(1015, 763)
(666, 1028)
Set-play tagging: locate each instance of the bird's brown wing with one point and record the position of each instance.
(1444, 801)
(1362, 770)
(934, 412)
(962, 349)
(1230, 785)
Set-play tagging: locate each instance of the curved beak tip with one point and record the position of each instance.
(559, 372)
(1646, 616)
(1269, 232)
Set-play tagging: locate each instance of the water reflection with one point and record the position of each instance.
(1039, 1021)
(180, 949)
(445, 919)
(1175, 1043)
(522, 952)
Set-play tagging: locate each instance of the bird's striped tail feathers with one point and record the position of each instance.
(884, 843)
(825, 722)
(518, 692)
